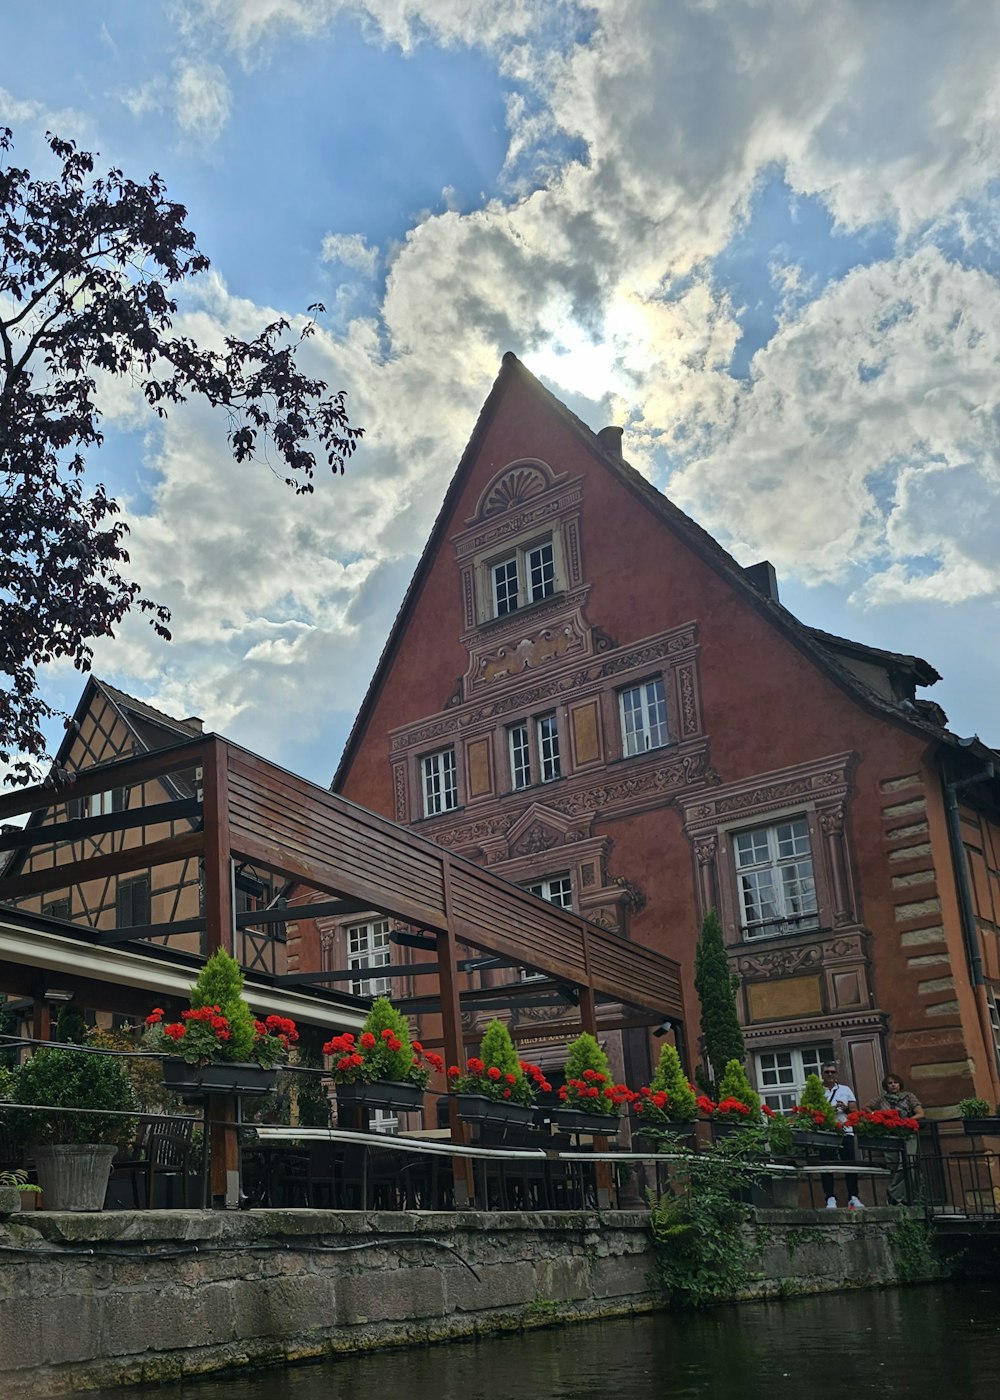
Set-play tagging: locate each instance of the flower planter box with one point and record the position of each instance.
(235, 1077)
(982, 1127)
(578, 1120)
(816, 1142)
(679, 1134)
(872, 1142)
(725, 1127)
(381, 1093)
(477, 1108)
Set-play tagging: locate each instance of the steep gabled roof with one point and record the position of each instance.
(822, 648)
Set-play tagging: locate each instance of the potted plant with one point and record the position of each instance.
(218, 1045)
(668, 1105)
(590, 1099)
(977, 1118)
(381, 1068)
(72, 1149)
(738, 1105)
(14, 1184)
(814, 1119)
(882, 1129)
(496, 1086)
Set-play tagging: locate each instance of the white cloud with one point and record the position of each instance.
(352, 250)
(202, 100)
(868, 435)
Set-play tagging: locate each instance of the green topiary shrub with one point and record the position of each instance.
(59, 1078)
(71, 1028)
(220, 983)
(496, 1050)
(714, 983)
(736, 1085)
(392, 1064)
(813, 1102)
(588, 1084)
(670, 1079)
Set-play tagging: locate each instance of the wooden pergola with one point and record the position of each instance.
(250, 812)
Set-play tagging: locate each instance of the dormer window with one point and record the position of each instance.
(524, 577)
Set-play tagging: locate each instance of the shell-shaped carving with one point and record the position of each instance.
(513, 489)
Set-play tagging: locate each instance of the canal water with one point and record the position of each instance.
(921, 1343)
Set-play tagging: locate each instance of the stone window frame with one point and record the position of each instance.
(532, 727)
(669, 718)
(819, 791)
(795, 924)
(447, 808)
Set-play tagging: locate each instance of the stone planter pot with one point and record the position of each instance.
(477, 1108)
(233, 1077)
(579, 1120)
(74, 1176)
(381, 1093)
(871, 1142)
(816, 1142)
(982, 1127)
(10, 1200)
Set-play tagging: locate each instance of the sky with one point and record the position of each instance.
(759, 235)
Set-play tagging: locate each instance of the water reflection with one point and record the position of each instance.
(919, 1343)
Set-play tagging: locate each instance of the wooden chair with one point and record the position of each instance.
(164, 1155)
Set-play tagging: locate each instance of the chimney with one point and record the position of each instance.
(764, 579)
(611, 440)
(193, 722)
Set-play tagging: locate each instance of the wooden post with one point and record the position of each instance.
(219, 926)
(221, 1125)
(41, 1020)
(602, 1170)
(454, 1047)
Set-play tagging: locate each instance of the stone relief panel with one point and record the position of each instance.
(528, 651)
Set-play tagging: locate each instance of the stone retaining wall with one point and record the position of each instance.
(120, 1298)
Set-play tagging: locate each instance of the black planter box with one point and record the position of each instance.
(578, 1120)
(982, 1127)
(381, 1093)
(871, 1142)
(683, 1134)
(477, 1108)
(725, 1127)
(234, 1077)
(816, 1142)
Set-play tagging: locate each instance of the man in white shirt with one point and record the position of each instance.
(842, 1100)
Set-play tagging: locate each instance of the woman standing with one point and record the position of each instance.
(894, 1095)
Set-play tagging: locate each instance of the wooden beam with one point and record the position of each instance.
(123, 772)
(77, 872)
(364, 974)
(83, 827)
(291, 913)
(451, 1025)
(142, 933)
(219, 928)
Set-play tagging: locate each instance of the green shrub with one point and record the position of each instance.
(587, 1070)
(71, 1028)
(973, 1108)
(71, 1079)
(814, 1098)
(736, 1085)
(496, 1050)
(715, 985)
(220, 983)
(682, 1106)
(392, 1064)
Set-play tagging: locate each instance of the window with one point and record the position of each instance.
(644, 717)
(100, 804)
(520, 756)
(534, 751)
(58, 909)
(993, 999)
(781, 1074)
(440, 783)
(524, 577)
(558, 890)
(548, 748)
(368, 946)
(776, 884)
(133, 903)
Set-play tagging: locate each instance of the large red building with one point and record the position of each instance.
(585, 692)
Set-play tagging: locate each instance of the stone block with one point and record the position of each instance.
(617, 1278)
(564, 1280)
(499, 1286)
(396, 1295)
(50, 1329)
(283, 1307)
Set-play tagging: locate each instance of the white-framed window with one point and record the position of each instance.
(520, 756)
(440, 782)
(781, 1074)
(368, 946)
(548, 747)
(533, 751)
(993, 999)
(558, 890)
(526, 576)
(643, 717)
(777, 885)
(102, 804)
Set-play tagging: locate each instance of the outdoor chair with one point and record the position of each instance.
(164, 1155)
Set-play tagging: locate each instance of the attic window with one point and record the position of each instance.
(524, 577)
